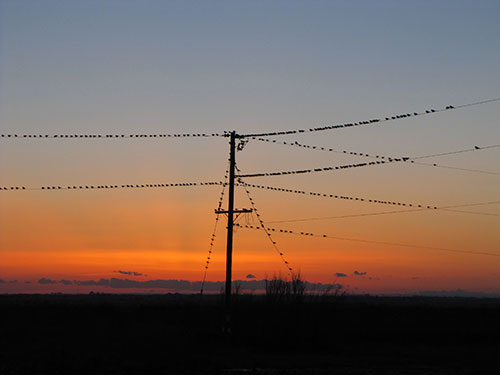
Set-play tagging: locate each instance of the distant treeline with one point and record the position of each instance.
(183, 285)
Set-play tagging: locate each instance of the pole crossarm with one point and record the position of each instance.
(242, 211)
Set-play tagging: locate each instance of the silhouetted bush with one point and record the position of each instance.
(280, 290)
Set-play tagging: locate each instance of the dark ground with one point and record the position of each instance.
(180, 334)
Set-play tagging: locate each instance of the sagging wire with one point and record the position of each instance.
(325, 169)
(310, 234)
(366, 155)
(372, 121)
(335, 196)
(114, 187)
(263, 226)
(265, 134)
(109, 136)
(212, 238)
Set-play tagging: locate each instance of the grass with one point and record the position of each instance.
(178, 334)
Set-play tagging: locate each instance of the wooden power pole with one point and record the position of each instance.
(230, 219)
(230, 223)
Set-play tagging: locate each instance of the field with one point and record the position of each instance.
(182, 334)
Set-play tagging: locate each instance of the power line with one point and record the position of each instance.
(109, 136)
(475, 148)
(369, 122)
(456, 168)
(418, 207)
(326, 169)
(336, 196)
(316, 148)
(471, 212)
(309, 234)
(302, 192)
(227, 133)
(114, 187)
(344, 216)
(263, 226)
(473, 204)
(214, 232)
(366, 155)
(447, 208)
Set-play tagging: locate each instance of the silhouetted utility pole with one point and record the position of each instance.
(230, 222)
(230, 218)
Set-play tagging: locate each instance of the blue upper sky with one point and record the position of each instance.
(116, 65)
(170, 66)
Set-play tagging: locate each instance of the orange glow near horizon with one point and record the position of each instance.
(72, 240)
(140, 73)
(164, 233)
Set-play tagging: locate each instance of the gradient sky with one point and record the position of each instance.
(195, 66)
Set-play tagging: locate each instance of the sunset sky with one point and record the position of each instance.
(156, 67)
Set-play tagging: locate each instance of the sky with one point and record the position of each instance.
(156, 67)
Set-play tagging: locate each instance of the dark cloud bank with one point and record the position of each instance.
(177, 285)
(249, 285)
(129, 273)
(10, 281)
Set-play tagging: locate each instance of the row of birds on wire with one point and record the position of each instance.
(81, 135)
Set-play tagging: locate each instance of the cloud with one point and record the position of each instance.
(43, 280)
(2, 281)
(13, 281)
(129, 273)
(180, 285)
(357, 273)
(456, 293)
(250, 276)
(27, 282)
(101, 282)
(340, 274)
(66, 282)
(189, 286)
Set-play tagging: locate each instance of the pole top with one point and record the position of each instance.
(232, 133)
